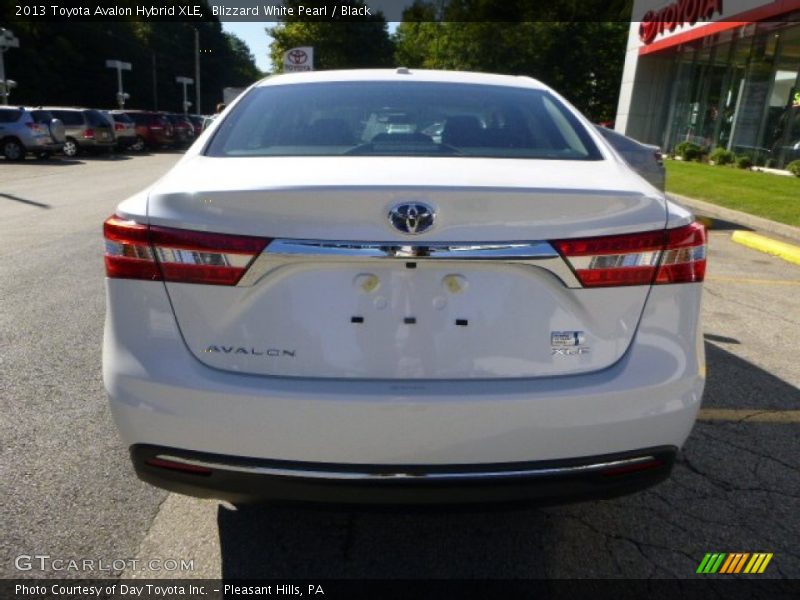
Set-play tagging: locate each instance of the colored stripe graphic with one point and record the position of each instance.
(758, 563)
(716, 565)
(727, 564)
(711, 562)
(734, 562)
(741, 562)
(703, 564)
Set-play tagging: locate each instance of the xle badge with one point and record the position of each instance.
(568, 343)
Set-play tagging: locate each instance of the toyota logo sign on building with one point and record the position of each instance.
(298, 59)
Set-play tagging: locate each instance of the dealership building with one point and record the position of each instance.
(715, 72)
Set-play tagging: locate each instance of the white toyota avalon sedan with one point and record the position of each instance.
(403, 286)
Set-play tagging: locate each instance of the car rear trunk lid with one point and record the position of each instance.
(437, 305)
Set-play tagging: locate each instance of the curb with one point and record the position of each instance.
(735, 216)
(788, 252)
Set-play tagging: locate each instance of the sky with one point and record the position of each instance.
(253, 35)
(256, 38)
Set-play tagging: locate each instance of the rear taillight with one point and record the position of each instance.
(35, 127)
(135, 251)
(88, 134)
(684, 257)
(128, 251)
(659, 158)
(119, 127)
(670, 256)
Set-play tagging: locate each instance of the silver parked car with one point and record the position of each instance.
(645, 159)
(86, 129)
(124, 128)
(29, 131)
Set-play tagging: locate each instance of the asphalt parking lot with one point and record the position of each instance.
(68, 490)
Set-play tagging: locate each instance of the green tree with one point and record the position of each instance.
(581, 59)
(65, 64)
(338, 43)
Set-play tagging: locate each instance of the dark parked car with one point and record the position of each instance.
(29, 131)
(645, 159)
(183, 128)
(197, 123)
(124, 128)
(86, 130)
(153, 130)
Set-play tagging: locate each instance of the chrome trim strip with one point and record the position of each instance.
(400, 475)
(281, 252)
(513, 251)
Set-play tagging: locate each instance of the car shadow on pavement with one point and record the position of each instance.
(733, 382)
(54, 161)
(105, 157)
(24, 200)
(727, 468)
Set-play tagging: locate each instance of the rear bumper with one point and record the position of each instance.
(162, 396)
(239, 479)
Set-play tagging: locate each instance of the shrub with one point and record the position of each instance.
(771, 163)
(744, 162)
(721, 156)
(794, 168)
(689, 151)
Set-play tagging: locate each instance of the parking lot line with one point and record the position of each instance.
(751, 415)
(754, 280)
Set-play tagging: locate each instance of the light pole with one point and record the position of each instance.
(185, 81)
(197, 68)
(7, 40)
(120, 66)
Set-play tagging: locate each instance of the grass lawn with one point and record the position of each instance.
(763, 194)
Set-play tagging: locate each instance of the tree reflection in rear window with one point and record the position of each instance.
(379, 118)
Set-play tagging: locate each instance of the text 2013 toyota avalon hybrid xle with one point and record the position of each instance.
(403, 286)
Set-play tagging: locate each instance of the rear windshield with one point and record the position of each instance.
(402, 119)
(9, 115)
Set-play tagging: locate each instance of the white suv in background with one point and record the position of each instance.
(29, 131)
(323, 302)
